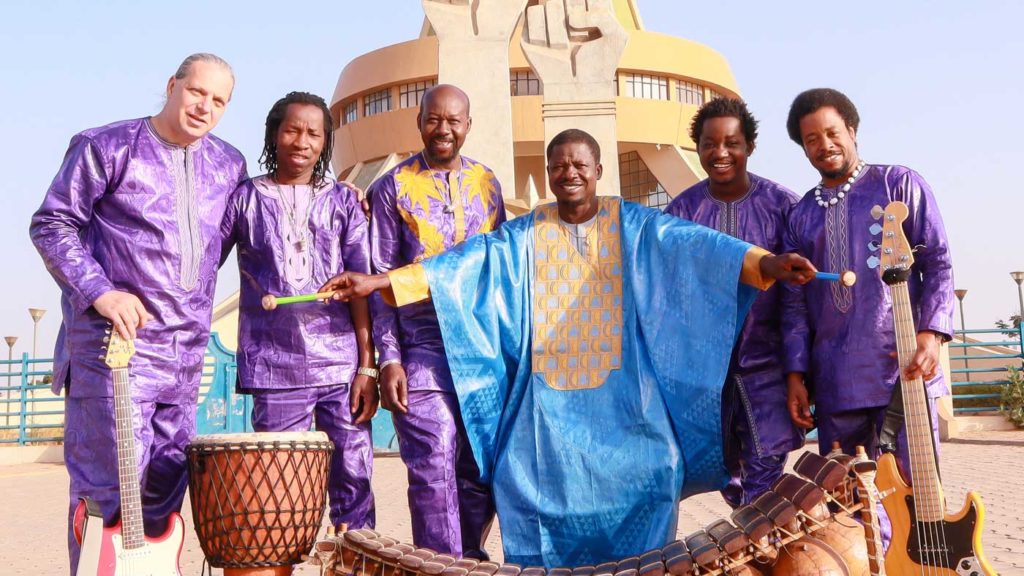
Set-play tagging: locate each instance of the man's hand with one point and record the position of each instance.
(363, 398)
(394, 389)
(788, 268)
(926, 360)
(364, 202)
(798, 402)
(125, 311)
(349, 285)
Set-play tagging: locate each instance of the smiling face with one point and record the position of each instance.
(196, 102)
(300, 141)
(723, 151)
(573, 173)
(830, 145)
(444, 122)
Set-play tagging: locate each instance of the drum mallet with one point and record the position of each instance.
(846, 278)
(271, 302)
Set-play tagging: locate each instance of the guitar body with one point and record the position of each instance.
(958, 536)
(103, 553)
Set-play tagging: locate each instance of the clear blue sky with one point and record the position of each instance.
(938, 85)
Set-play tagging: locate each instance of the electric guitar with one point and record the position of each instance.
(924, 539)
(124, 549)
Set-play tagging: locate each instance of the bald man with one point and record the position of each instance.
(421, 208)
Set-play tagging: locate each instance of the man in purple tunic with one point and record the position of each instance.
(422, 207)
(841, 339)
(757, 430)
(295, 227)
(129, 229)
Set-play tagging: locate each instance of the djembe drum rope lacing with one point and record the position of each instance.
(258, 499)
(801, 520)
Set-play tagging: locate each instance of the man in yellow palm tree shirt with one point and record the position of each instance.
(425, 205)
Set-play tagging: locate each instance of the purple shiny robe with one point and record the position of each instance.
(415, 215)
(128, 211)
(841, 338)
(410, 222)
(756, 388)
(305, 344)
(299, 359)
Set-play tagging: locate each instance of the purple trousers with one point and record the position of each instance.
(162, 433)
(861, 427)
(451, 510)
(750, 474)
(348, 483)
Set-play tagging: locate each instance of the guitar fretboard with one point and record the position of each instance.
(929, 501)
(132, 528)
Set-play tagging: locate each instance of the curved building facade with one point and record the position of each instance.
(661, 81)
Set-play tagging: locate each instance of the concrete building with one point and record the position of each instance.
(660, 82)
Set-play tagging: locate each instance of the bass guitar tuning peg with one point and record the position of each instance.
(877, 212)
(873, 262)
(875, 229)
(873, 246)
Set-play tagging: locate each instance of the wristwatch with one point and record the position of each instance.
(364, 371)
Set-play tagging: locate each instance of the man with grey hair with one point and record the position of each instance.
(129, 229)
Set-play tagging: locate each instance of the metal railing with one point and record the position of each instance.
(980, 367)
(31, 414)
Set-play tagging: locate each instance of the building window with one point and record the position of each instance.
(525, 84)
(690, 93)
(350, 114)
(377, 103)
(644, 86)
(637, 184)
(409, 95)
(715, 94)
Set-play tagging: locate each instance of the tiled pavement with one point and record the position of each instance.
(32, 534)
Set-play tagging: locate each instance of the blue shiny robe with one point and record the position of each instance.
(591, 403)
(759, 217)
(758, 431)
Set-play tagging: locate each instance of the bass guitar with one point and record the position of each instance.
(925, 540)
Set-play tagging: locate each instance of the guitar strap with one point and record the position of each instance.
(895, 420)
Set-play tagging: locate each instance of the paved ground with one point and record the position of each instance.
(32, 538)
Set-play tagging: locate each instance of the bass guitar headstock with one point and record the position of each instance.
(897, 256)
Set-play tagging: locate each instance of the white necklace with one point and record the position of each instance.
(842, 189)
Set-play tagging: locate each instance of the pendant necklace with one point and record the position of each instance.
(302, 232)
(454, 185)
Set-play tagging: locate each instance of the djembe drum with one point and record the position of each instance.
(258, 499)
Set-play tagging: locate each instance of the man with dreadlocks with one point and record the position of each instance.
(295, 227)
(421, 208)
(757, 428)
(129, 230)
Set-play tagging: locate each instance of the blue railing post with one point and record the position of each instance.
(23, 413)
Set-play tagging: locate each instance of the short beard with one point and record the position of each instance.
(837, 174)
(437, 161)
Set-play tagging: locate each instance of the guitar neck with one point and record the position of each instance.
(132, 528)
(924, 470)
